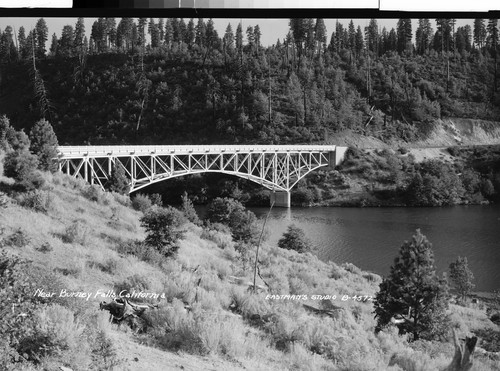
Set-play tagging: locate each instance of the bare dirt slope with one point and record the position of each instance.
(447, 133)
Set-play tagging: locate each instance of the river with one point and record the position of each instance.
(370, 237)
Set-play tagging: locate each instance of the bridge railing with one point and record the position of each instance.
(69, 151)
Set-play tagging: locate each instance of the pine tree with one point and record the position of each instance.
(479, 32)
(44, 145)
(141, 28)
(41, 36)
(462, 277)
(320, 35)
(229, 38)
(239, 38)
(65, 46)
(295, 239)
(111, 32)
(188, 209)
(493, 45)
(54, 45)
(413, 292)
(423, 35)
(169, 33)
(404, 35)
(21, 38)
(257, 34)
(371, 34)
(359, 41)
(351, 36)
(200, 33)
(190, 33)
(79, 36)
(118, 180)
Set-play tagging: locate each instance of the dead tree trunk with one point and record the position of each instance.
(464, 354)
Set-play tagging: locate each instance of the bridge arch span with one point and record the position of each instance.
(277, 168)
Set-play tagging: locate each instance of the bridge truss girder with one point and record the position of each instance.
(277, 171)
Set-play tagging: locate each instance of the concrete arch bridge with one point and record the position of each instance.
(275, 167)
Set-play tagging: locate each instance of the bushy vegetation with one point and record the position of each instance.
(43, 144)
(232, 213)
(185, 84)
(294, 239)
(118, 181)
(461, 276)
(162, 229)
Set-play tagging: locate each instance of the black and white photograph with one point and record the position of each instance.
(197, 190)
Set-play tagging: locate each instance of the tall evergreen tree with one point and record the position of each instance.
(320, 35)
(161, 29)
(493, 45)
(229, 38)
(111, 32)
(65, 46)
(423, 35)
(21, 39)
(351, 31)
(41, 36)
(141, 28)
(414, 292)
(461, 277)
(479, 32)
(190, 33)
(79, 35)
(404, 33)
(54, 45)
(200, 33)
(239, 38)
(371, 36)
(169, 33)
(257, 35)
(43, 143)
(359, 40)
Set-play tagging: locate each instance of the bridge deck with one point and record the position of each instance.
(104, 151)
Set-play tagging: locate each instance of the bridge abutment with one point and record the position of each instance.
(280, 199)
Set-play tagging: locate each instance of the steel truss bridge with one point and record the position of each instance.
(277, 168)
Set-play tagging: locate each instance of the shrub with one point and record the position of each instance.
(93, 193)
(140, 250)
(487, 188)
(141, 202)
(21, 166)
(188, 209)
(108, 266)
(136, 282)
(57, 335)
(303, 196)
(75, 232)
(351, 268)
(161, 226)
(17, 239)
(118, 181)
(44, 145)
(241, 222)
(45, 247)
(462, 277)
(37, 200)
(294, 239)
(104, 355)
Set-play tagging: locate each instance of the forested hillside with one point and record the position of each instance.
(177, 81)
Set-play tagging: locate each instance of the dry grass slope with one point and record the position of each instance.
(92, 241)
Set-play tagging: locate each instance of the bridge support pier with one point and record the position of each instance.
(280, 199)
